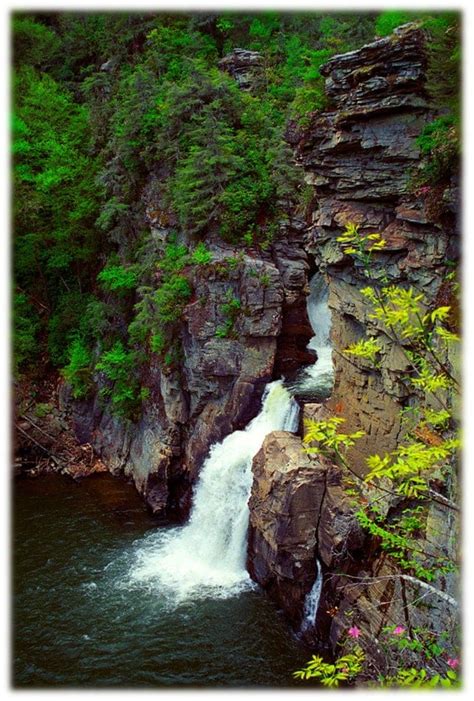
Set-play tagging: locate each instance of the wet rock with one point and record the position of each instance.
(285, 503)
(293, 264)
(299, 510)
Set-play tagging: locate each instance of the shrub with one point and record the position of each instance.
(171, 298)
(444, 60)
(201, 255)
(174, 259)
(77, 372)
(123, 390)
(389, 20)
(33, 42)
(311, 95)
(230, 310)
(42, 409)
(117, 278)
(63, 324)
(439, 142)
(26, 324)
(158, 342)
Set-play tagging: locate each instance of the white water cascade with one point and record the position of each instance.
(317, 380)
(207, 556)
(311, 604)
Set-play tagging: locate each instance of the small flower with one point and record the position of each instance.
(354, 632)
(399, 630)
(453, 663)
(424, 189)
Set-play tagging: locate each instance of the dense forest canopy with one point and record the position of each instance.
(114, 110)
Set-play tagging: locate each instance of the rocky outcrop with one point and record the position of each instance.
(227, 359)
(361, 156)
(284, 508)
(300, 510)
(243, 65)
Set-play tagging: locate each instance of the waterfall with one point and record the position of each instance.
(311, 604)
(207, 556)
(316, 381)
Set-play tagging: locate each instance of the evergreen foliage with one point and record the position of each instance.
(78, 371)
(104, 102)
(391, 19)
(122, 388)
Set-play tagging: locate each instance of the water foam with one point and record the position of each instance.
(207, 556)
(318, 379)
(311, 603)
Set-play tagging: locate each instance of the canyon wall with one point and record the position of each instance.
(361, 157)
(219, 382)
(227, 356)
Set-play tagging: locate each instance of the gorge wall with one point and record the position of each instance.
(219, 383)
(360, 156)
(245, 325)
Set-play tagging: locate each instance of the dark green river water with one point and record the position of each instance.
(79, 622)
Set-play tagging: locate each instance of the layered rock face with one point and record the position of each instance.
(299, 511)
(219, 382)
(360, 157)
(284, 511)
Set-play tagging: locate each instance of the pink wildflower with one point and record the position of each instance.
(399, 630)
(354, 632)
(453, 663)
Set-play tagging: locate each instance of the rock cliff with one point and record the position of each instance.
(219, 382)
(244, 66)
(360, 156)
(226, 360)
